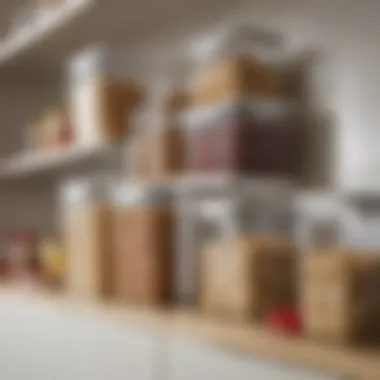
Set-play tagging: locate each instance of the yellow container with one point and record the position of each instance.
(53, 257)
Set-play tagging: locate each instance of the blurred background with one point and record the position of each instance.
(189, 189)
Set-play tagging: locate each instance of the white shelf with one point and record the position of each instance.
(32, 163)
(47, 26)
(45, 47)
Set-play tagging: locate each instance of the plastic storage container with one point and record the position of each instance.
(143, 241)
(340, 295)
(247, 276)
(87, 228)
(227, 208)
(156, 149)
(100, 103)
(234, 63)
(246, 136)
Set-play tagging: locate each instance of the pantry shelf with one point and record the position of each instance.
(32, 163)
(188, 324)
(40, 36)
(45, 46)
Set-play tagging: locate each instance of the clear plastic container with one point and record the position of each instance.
(235, 62)
(240, 208)
(86, 227)
(143, 243)
(100, 101)
(156, 149)
(246, 136)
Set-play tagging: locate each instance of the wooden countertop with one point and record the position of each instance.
(358, 364)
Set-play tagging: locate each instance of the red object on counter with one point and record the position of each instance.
(284, 319)
(22, 253)
(4, 267)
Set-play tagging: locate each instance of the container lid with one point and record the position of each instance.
(82, 190)
(237, 40)
(92, 60)
(257, 108)
(221, 213)
(75, 192)
(235, 216)
(129, 193)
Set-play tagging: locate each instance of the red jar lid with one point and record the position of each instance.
(284, 319)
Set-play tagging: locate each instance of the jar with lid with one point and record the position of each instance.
(230, 209)
(246, 276)
(239, 119)
(143, 244)
(100, 102)
(156, 149)
(86, 227)
(234, 63)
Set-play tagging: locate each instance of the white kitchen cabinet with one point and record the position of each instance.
(45, 343)
(189, 361)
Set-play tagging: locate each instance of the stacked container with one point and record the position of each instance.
(239, 120)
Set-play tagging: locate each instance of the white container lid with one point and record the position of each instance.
(237, 40)
(91, 61)
(129, 193)
(266, 109)
(79, 191)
